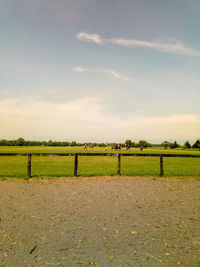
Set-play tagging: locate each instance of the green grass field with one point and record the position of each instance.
(98, 165)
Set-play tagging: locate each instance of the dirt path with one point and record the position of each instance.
(100, 222)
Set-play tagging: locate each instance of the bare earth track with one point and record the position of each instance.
(101, 221)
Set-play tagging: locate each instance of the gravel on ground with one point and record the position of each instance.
(100, 221)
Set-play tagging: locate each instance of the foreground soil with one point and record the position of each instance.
(101, 221)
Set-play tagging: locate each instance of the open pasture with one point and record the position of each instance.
(97, 165)
(79, 149)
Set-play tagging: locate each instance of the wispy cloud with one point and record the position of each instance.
(172, 46)
(117, 75)
(95, 38)
(78, 69)
(111, 72)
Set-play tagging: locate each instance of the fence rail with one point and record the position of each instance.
(118, 155)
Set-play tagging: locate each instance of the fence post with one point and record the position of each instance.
(29, 166)
(161, 166)
(75, 164)
(119, 164)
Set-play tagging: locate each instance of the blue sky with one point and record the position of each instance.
(98, 70)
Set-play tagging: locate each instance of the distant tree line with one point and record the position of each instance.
(165, 144)
(142, 143)
(187, 145)
(22, 142)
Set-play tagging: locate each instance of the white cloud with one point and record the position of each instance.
(118, 75)
(78, 69)
(113, 73)
(83, 36)
(171, 46)
(89, 119)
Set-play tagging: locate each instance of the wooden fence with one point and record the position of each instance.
(118, 155)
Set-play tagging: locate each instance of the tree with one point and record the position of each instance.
(196, 144)
(73, 143)
(144, 143)
(130, 143)
(174, 145)
(166, 144)
(20, 142)
(50, 142)
(102, 145)
(3, 142)
(187, 145)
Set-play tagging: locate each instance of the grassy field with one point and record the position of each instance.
(96, 166)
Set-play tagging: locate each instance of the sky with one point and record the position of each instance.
(99, 70)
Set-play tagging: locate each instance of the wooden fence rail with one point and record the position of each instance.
(119, 155)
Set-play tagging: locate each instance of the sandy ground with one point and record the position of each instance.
(102, 221)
